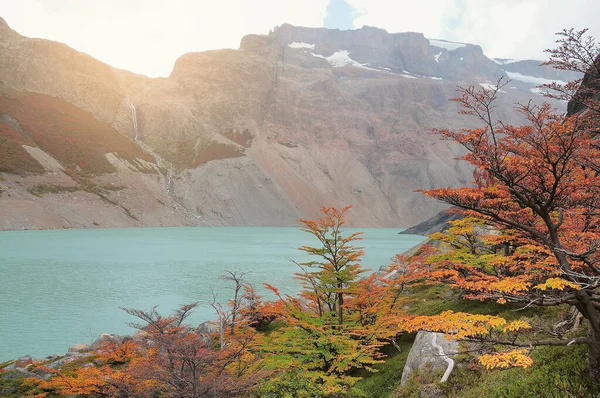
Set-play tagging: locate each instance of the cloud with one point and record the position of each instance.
(147, 36)
(503, 28)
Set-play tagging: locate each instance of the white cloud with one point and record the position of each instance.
(147, 36)
(503, 28)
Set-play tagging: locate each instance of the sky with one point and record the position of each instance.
(147, 36)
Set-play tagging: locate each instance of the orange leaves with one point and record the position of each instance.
(509, 285)
(272, 288)
(505, 360)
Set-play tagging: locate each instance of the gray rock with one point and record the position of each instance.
(208, 327)
(78, 349)
(107, 338)
(140, 336)
(23, 362)
(65, 360)
(430, 348)
(438, 223)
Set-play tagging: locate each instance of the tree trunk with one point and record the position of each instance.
(593, 357)
(340, 308)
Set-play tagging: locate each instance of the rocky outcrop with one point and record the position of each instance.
(589, 90)
(438, 223)
(432, 351)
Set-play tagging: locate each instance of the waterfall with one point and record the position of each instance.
(134, 117)
(162, 164)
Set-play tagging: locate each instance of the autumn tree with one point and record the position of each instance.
(339, 320)
(170, 358)
(329, 278)
(540, 198)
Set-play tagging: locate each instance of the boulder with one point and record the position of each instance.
(78, 349)
(140, 336)
(67, 359)
(107, 338)
(433, 349)
(208, 327)
(23, 362)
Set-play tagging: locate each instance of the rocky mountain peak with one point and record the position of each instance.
(375, 49)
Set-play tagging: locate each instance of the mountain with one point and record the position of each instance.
(262, 135)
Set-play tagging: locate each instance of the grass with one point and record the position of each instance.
(557, 372)
(383, 382)
(5, 364)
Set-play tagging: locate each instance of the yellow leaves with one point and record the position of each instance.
(455, 324)
(557, 284)
(501, 300)
(505, 360)
(515, 326)
(510, 285)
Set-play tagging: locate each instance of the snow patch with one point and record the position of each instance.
(339, 59)
(490, 86)
(532, 79)
(297, 44)
(409, 75)
(437, 56)
(537, 91)
(448, 45)
(506, 61)
(435, 78)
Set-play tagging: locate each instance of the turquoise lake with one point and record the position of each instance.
(62, 287)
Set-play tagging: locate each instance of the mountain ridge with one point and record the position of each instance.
(265, 134)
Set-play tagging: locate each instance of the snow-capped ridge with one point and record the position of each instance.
(301, 45)
(339, 59)
(448, 45)
(532, 79)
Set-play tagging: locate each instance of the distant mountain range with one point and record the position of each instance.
(263, 135)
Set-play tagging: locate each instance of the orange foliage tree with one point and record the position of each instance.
(168, 358)
(535, 237)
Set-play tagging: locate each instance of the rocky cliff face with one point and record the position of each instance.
(263, 135)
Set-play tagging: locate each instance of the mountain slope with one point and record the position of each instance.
(263, 135)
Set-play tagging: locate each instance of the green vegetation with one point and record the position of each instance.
(385, 380)
(557, 372)
(42, 189)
